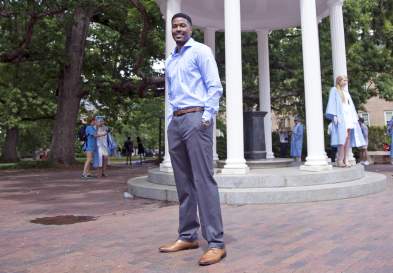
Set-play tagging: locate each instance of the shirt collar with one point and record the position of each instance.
(188, 44)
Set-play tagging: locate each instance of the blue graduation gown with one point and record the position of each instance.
(112, 145)
(390, 133)
(339, 131)
(297, 140)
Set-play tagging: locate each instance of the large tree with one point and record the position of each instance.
(106, 55)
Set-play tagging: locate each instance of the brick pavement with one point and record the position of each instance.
(351, 236)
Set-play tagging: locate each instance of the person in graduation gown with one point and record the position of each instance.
(390, 134)
(346, 132)
(297, 140)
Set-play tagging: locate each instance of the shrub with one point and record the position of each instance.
(377, 137)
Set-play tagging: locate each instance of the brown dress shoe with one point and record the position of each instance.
(212, 256)
(179, 245)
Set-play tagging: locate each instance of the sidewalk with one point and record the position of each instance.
(351, 236)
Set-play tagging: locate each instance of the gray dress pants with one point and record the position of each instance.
(190, 147)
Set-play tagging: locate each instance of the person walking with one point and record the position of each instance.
(194, 90)
(141, 149)
(129, 149)
(346, 132)
(89, 146)
(297, 140)
(363, 150)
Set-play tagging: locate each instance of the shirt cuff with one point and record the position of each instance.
(206, 116)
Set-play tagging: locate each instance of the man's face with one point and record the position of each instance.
(181, 30)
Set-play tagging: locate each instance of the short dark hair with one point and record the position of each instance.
(182, 15)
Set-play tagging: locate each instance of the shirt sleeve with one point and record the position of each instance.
(170, 108)
(211, 79)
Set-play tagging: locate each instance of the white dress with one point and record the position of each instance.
(102, 142)
(349, 117)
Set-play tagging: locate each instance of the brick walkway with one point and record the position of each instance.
(351, 236)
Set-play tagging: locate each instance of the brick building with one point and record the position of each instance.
(376, 111)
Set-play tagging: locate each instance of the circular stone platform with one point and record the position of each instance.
(275, 185)
(264, 163)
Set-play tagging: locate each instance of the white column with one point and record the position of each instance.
(210, 40)
(337, 39)
(235, 163)
(172, 7)
(264, 88)
(338, 48)
(316, 158)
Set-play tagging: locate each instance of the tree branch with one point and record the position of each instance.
(143, 37)
(21, 53)
(48, 117)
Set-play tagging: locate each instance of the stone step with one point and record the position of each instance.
(264, 163)
(269, 178)
(370, 183)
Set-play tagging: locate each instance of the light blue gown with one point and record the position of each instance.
(112, 145)
(338, 135)
(390, 133)
(297, 140)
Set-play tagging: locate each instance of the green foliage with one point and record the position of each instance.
(27, 164)
(376, 138)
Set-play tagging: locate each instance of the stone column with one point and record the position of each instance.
(235, 163)
(316, 158)
(337, 38)
(210, 40)
(172, 7)
(338, 48)
(264, 88)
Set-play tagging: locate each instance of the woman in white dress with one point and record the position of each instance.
(345, 131)
(102, 145)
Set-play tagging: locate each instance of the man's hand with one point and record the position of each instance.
(205, 123)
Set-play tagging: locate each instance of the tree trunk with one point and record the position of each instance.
(9, 153)
(70, 89)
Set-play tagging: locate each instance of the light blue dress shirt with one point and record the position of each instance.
(193, 79)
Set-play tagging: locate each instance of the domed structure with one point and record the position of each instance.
(312, 180)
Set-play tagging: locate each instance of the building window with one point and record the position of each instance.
(388, 115)
(366, 117)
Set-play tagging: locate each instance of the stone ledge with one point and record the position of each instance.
(371, 183)
(269, 178)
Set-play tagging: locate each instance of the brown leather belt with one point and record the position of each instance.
(188, 110)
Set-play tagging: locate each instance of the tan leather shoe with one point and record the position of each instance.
(179, 245)
(212, 256)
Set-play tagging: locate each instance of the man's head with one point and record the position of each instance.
(181, 28)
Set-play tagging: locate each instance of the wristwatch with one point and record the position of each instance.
(205, 123)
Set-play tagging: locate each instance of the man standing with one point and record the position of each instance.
(194, 90)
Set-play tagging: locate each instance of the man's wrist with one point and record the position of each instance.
(207, 116)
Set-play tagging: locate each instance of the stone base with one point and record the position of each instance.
(279, 185)
(315, 168)
(166, 167)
